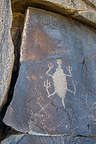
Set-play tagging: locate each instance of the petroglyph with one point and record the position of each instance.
(59, 81)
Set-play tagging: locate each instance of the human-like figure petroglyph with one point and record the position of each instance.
(59, 81)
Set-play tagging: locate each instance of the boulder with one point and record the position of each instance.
(6, 50)
(55, 90)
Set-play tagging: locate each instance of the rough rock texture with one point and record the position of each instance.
(83, 10)
(6, 50)
(26, 139)
(55, 90)
(6, 131)
(92, 3)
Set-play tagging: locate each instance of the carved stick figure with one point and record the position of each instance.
(59, 81)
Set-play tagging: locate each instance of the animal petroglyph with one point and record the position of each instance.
(59, 81)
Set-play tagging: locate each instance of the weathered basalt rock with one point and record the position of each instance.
(55, 90)
(82, 10)
(6, 50)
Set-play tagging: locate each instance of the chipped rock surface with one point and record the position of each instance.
(55, 90)
(6, 49)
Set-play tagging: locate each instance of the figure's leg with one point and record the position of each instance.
(68, 75)
(47, 84)
(73, 92)
(69, 69)
(49, 95)
(70, 91)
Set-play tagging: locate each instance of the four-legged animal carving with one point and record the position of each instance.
(59, 81)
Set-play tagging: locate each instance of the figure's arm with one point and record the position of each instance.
(69, 69)
(50, 66)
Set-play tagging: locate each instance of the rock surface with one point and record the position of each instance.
(92, 3)
(6, 50)
(6, 131)
(55, 90)
(83, 10)
(26, 139)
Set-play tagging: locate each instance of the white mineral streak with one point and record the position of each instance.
(47, 135)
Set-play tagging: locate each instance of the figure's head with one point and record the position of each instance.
(59, 62)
